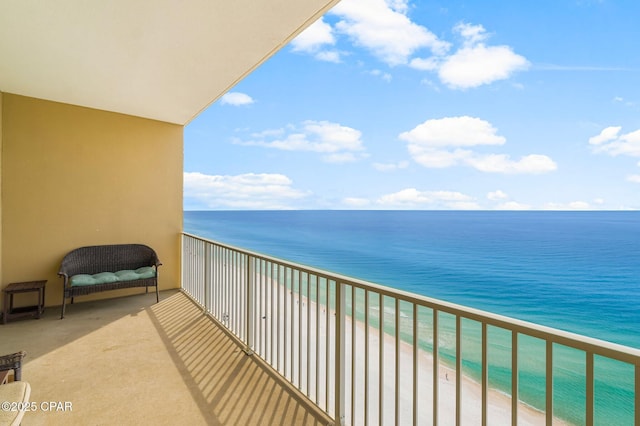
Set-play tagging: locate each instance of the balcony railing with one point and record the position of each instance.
(368, 354)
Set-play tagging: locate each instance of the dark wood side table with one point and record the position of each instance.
(9, 312)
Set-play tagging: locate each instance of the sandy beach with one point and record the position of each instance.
(303, 341)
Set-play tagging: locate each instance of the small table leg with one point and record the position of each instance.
(10, 312)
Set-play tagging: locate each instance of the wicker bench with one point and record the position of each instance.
(94, 269)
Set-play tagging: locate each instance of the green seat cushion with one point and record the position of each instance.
(146, 272)
(105, 278)
(82, 279)
(126, 275)
(112, 277)
(138, 274)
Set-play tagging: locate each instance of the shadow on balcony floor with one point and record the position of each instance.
(131, 361)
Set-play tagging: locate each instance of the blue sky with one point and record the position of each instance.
(432, 105)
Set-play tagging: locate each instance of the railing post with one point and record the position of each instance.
(340, 354)
(515, 379)
(590, 390)
(207, 277)
(636, 414)
(485, 374)
(436, 368)
(249, 314)
(549, 383)
(183, 261)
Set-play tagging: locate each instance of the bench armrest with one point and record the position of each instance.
(13, 362)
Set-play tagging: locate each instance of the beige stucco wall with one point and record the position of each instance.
(74, 176)
(0, 187)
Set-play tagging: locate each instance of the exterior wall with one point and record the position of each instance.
(74, 176)
(1, 149)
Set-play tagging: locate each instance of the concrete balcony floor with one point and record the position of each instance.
(129, 360)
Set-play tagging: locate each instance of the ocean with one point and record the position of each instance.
(575, 271)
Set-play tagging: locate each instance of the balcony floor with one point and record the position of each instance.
(129, 360)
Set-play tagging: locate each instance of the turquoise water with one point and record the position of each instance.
(576, 271)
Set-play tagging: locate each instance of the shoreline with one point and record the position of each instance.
(498, 404)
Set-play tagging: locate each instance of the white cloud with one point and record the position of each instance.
(573, 205)
(497, 195)
(383, 75)
(384, 29)
(401, 6)
(412, 198)
(475, 63)
(389, 167)
(606, 135)
(236, 99)
(611, 142)
(504, 203)
(338, 143)
(453, 131)
(329, 56)
(449, 196)
(425, 64)
(409, 196)
(478, 65)
(342, 157)
(437, 158)
(513, 205)
(428, 143)
(621, 100)
(501, 163)
(463, 205)
(314, 41)
(317, 35)
(333, 137)
(269, 133)
(624, 102)
(430, 84)
(634, 178)
(245, 191)
(472, 34)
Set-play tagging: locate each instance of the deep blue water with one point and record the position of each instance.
(576, 271)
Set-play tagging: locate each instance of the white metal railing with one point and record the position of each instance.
(368, 354)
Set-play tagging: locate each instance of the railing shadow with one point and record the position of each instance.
(228, 386)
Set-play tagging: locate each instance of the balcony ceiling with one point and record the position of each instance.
(160, 59)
